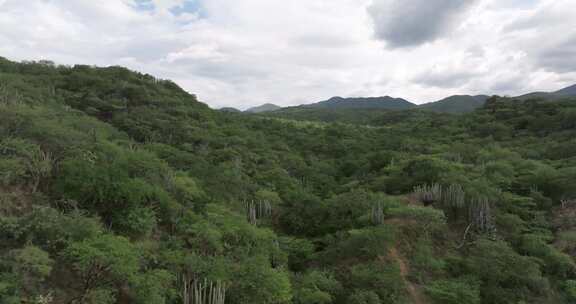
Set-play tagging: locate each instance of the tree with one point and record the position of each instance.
(459, 291)
(502, 271)
(315, 287)
(364, 297)
(31, 266)
(100, 263)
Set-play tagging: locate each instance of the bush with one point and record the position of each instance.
(316, 287)
(454, 292)
(384, 280)
(364, 297)
(570, 289)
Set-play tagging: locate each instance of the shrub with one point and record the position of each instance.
(454, 292)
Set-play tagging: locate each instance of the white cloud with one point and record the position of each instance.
(246, 52)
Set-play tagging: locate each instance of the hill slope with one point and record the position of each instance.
(385, 102)
(229, 110)
(117, 187)
(267, 107)
(568, 91)
(456, 104)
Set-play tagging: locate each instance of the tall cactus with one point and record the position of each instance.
(428, 194)
(3, 93)
(377, 214)
(8, 96)
(196, 291)
(480, 215)
(454, 196)
(257, 210)
(565, 202)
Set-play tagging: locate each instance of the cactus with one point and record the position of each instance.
(8, 96)
(377, 214)
(454, 196)
(480, 215)
(257, 210)
(276, 262)
(428, 194)
(566, 202)
(196, 291)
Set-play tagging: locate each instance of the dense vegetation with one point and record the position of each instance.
(117, 187)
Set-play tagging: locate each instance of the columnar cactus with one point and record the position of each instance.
(377, 214)
(480, 215)
(196, 291)
(257, 210)
(428, 194)
(454, 196)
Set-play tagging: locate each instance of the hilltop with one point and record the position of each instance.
(267, 107)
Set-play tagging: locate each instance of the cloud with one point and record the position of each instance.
(442, 79)
(410, 23)
(243, 53)
(559, 57)
(548, 35)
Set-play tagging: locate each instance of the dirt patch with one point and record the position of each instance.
(414, 292)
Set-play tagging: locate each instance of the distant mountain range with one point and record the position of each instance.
(230, 109)
(267, 107)
(563, 93)
(384, 102)
(453, 104)
(569, 91)
(456, 104)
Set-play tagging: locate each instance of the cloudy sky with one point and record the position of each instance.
(243, 53)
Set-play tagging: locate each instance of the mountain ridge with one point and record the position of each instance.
(382, 102)
(455, 104)
(267, 107)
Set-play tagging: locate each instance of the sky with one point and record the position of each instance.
(242, 53)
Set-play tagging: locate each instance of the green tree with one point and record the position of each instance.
(100, 263)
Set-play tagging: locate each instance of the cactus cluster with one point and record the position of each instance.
(480, 215)
(203, 292)
(453, 197)
(256, 210)
(428, 194)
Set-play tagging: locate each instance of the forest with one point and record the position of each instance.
(119, 187)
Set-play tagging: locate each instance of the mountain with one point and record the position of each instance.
(384, 102)
(229, 110)
(560, 94)
(359, 110)
(466, 103)
(568, 91)
(267, 107)
(456, 104)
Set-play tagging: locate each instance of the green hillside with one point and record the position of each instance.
(118, 187)
(267, 107)
(456, 104)
(385, 103)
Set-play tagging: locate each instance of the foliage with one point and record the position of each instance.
(454, 292)
(118, 187)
